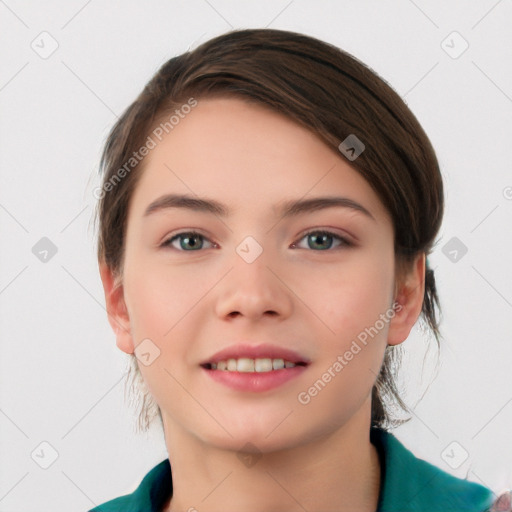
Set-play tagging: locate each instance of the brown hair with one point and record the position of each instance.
(332, 94)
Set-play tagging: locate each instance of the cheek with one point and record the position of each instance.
(354, 298)
(164, 304)
(152, 308)
(158, 295)
(159, 310)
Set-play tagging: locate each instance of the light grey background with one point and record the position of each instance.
(61, 372)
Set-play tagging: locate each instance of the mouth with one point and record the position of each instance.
(249, 365)
(248, 358)
(254, 368)
(253, 376)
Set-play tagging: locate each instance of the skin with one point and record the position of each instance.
(192, 303)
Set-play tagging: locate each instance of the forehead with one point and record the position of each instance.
(247, 154)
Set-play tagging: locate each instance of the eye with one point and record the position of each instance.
(321, 239)
(186, 240)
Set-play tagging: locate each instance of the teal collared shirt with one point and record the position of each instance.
(408, 484)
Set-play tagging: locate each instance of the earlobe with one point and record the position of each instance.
(116, 310)
(408, 302)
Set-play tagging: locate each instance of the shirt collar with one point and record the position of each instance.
(411, 484)
(407, 484)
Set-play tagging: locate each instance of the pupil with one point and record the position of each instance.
(192, 240)
(318, 239)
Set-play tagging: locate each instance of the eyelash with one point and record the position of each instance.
(344, 242)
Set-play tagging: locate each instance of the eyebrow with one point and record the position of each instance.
(286, 208)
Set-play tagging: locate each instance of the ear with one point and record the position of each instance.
(408, 302)
(116, 310)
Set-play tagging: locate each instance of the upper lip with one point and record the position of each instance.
(261, 351)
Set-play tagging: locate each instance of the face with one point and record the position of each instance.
(307, 280)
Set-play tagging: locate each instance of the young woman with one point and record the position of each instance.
(267, 207)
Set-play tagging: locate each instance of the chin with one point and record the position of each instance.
(259, 433)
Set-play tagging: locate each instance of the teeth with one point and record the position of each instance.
(246, 365)
(277, 364)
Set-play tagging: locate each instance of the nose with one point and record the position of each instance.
(254, 290)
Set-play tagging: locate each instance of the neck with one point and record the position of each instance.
(339, 472)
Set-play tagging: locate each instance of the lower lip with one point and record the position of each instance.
(255, 381)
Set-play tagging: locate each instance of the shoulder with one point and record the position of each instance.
(413, 484)
(153, 491)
